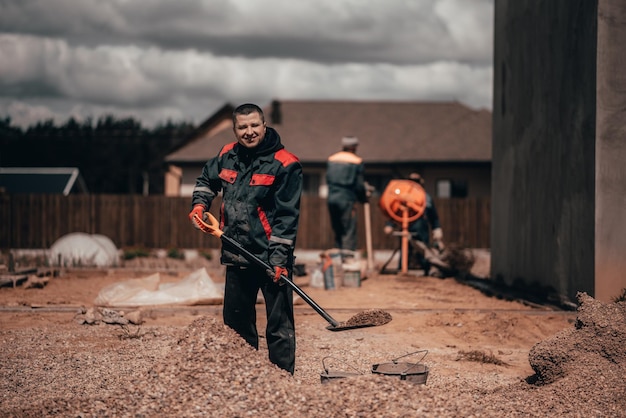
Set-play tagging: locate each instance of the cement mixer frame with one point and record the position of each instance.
(403, 201)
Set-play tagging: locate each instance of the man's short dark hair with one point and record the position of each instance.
(246, 109)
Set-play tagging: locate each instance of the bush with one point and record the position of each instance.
(176, 254)
(131, 253)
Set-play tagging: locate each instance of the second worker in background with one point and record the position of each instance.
(346, 186)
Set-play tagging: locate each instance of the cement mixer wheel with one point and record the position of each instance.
(401, 194)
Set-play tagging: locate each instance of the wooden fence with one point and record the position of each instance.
(37, 221)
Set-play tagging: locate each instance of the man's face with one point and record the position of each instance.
(249, 129)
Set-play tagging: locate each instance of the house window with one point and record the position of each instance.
(447, 188)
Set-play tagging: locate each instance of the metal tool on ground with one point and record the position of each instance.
(332, 375)
(360, 320)
(411, 372)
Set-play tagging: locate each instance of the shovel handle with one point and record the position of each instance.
(368, 236)
(212, 227)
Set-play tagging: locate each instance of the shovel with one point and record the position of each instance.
(212, 227)
(368, 237)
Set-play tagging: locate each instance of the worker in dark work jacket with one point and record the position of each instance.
(346, 186)
(261, 185)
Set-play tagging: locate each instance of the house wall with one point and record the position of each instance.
(610, 158)
(477, 175)
(173, 180)
(551, 218)
(190, 174)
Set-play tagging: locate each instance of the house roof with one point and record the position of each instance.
(219, 120)
(59, 180)
(388, 131)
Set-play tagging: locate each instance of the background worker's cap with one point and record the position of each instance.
(416, 177)
(349, 141)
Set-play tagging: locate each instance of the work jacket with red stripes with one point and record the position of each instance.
(261, 190)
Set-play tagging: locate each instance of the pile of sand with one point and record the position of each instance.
(211, 371)
(594, 350)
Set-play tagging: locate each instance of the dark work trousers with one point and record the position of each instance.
(343, 222)
(240, 294)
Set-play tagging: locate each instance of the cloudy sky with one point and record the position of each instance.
(156, 60)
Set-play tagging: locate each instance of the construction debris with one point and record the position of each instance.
(96, 316)
(34, 276)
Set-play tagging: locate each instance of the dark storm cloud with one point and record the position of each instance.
(155, 57)
(331, 31)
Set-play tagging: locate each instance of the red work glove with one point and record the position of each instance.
(197, 210)
(278, 271)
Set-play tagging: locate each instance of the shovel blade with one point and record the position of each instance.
(348, 327)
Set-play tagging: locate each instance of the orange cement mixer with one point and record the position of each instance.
(403, 201)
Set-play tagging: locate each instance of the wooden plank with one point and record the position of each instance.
(12, 279)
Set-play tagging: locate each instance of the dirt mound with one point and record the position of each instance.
(210, 370)
(373, 316)
(192, 365)
(587, 362)
(459, 259)
(213, 372)
(591, 350)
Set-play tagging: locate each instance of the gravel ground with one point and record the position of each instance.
(204, 369)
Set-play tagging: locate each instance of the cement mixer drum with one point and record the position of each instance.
(400, 196)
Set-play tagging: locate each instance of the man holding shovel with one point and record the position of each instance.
(261, 185)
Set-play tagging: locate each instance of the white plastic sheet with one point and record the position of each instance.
(79, 249)
(195, 289)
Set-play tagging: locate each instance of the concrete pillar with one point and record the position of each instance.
(610, 158)
(544, 114)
